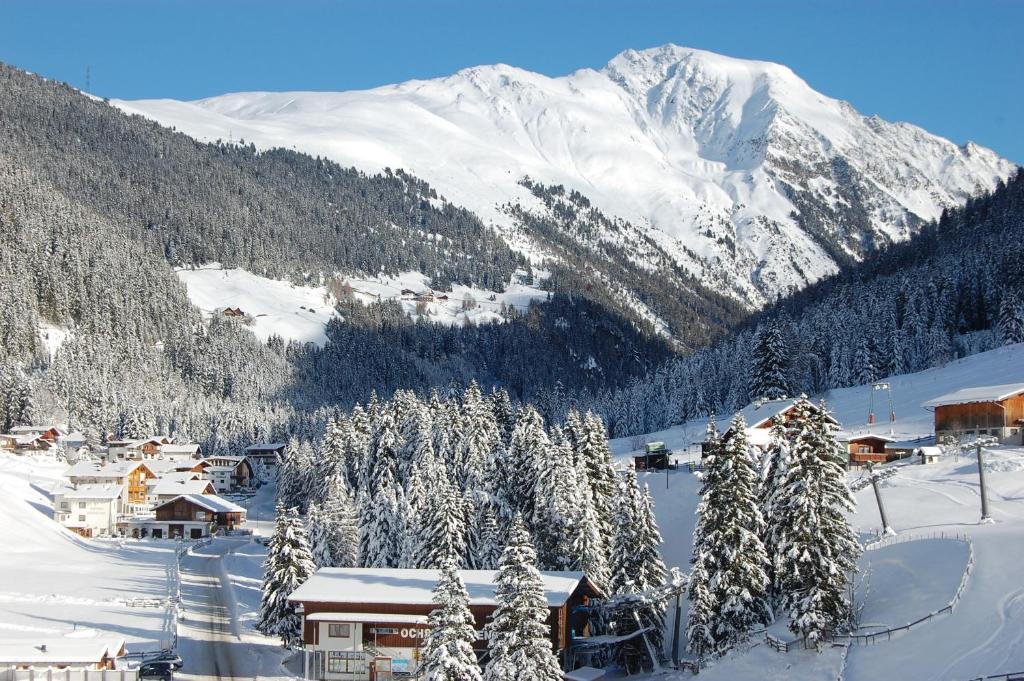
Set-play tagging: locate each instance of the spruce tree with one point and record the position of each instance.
(289, 563)
(770, 363)
(518, 636)
(556, 508)
(448, 650)
(1011, 318)
(817, 550)
(442, 528)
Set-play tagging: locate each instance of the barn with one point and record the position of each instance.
(994, 410)
(357, 619)
(864, 448)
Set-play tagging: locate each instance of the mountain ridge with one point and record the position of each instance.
(737, 167)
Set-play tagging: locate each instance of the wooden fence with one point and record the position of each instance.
(68, 674)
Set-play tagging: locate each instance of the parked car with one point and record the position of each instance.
(168, 656)
(157, 671)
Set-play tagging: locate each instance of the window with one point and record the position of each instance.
(200, 515)
(863, 449)
(81, 504)
(65, 505)
(339, 630)
(81, 518)
(341, 662)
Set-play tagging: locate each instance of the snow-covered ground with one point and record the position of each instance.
(53, 583)
(985, 633)
(301, 312)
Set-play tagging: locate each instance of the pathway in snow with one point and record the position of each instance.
(210, 638)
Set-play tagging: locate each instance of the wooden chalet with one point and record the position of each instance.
(233, 312)
(356, 619)
(654, 457)
(993, 410)
(761, 416)
(132, 475)
(864, 448)
(227, 473)
(268, 454)
(137, 449)
(190, 516)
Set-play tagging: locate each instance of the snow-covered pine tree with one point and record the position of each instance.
(341, 518)
(770, 363)
(652, 567)
(817, 550)
(776, 467)
(700, 639)
(1011, 317)
(289, 563)
(441, 534)
(529, 446)
(864, 363)
(381, 526)
(448, 650)
(728, 548)
(518, 636)
(318, 531)
(556, 506)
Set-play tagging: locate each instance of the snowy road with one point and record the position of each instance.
(211, 639)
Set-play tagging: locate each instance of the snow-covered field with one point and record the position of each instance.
(301, 312)
(985, 633)
(54, 584)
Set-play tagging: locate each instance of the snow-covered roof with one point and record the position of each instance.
(854, 437)
(135, 443)
(367, 617)
(21, 430)
(211, 502)
(90, 492)
(179, 449)
(49, 651)
(415, 587)
(931, 451)
(265, 447)
(984, 393)
(116, 469)
(173, 486)
(757, 414)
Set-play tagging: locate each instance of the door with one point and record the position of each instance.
(196, 533)
(176, 531)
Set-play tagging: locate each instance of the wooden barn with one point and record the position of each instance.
(354, 619)
(994, 410)
(761, 416)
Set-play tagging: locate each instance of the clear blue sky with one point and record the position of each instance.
(951, 67)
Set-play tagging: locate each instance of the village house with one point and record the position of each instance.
(227, 473)
(761, 416)
(189, 516)
(993, 410)
(131, 475)
(50, 433)
(655, 456)
(89, 510)
(268, 455)
(136, 450)
(8, 441)
(233, 312)
(356, 620)
(180, 452)
(60, 653)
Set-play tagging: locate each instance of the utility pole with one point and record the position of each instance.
(675, 632)
(979, 446)
(886, 528)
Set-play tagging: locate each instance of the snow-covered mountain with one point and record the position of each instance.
(737, 168)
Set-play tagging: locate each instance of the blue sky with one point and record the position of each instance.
(951, 67)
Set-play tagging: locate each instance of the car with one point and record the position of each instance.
(168, 656)
(157, 671)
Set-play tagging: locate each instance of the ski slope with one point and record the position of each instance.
(55, 584)
(985, 633)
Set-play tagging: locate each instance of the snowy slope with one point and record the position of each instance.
(985, 633)
(274, 307)
(74, 587)
(710, 153)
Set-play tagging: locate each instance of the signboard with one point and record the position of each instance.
(383, 631)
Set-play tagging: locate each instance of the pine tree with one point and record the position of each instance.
(1011, 318)
(777, 462)
(556, 508)
(529, 447)
(816, 548)
(769, 372)
(728, 551)
(442, 531)
(448, 650)
(518, 636)
(289, 563)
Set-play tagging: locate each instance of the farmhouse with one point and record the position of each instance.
(88, 510)
(993, 410)
(761, 416)
(354, 619)
(136, 450)
(176, 485)
(227, 473)
(46, 432)
(183, 452)
(60, 653)
(189, 516)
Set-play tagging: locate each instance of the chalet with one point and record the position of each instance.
(32, 442)
(994, 410)
(408, 293)
(654, 457)
(8, 441)
(46, 432)
(762, 415)
(131, 475)
(269, 455)
(60, 653)
(356, 621)
(136, 450)
(172, 486)
(227, 473)
(864, 448)
(442, 298)
(195, 516)
(233, 312)
(182, 452)
(89, 510)
(424, 297)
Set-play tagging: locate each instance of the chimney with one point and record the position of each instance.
(42, 648)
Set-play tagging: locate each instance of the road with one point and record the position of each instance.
(209, 637)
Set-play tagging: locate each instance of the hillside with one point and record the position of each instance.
(740, 171)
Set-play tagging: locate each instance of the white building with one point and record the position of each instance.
(174, 486)
(90, 510)
(60, 653)
(180, 453)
